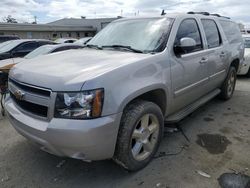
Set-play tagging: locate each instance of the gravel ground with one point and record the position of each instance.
(219, 139)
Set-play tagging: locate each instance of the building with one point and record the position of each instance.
(97, 24)
(68, 27)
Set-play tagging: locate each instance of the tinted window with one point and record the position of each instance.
(29, 46)
(41, 43)
(188, 28)
(7, 38)
(69, 41)
(212, 33)
(231, 31)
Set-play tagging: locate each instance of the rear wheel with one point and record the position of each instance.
(228, 86)
(139, 135)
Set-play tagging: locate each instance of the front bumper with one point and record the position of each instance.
(80, 139)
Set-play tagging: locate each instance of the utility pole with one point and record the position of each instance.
(35, 17)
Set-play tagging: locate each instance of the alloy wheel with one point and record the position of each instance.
(145, 137)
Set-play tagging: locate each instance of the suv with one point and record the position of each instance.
(112, 98)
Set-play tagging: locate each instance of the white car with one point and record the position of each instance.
(83, 41)
(245, 69)
(65, 40)
(43, 50)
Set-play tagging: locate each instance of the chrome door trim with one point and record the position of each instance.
(190, 87)
(217, 74)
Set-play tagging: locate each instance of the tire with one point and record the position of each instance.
(228, 86)
(137, 143)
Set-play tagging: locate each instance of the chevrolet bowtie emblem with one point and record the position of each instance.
(19, 95)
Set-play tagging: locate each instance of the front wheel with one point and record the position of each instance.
(228, 87)
(139, 135)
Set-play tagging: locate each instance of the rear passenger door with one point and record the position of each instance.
(188, 69)
(217, 63)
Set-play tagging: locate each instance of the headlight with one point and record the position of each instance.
(79, 105)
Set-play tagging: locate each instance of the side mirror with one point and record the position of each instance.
(187, 42)
(186, 45)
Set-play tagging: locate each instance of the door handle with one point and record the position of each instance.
(203, 60)
(223, 54)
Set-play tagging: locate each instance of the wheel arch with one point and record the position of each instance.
(157, 95)
(235, 63)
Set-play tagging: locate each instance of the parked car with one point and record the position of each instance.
(112, 98)
(42, 50)
(245, 69)
(20, 48)
(65, 40)
(4, 38)
(83, 41)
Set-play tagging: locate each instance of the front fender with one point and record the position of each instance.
(126, 83)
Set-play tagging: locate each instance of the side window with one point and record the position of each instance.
(212, 33)
(188, 28)
(28, 46)
(231, 31)
(41, 43)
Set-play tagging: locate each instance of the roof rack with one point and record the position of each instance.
(218, 15)
(208, 14)
(203, 13)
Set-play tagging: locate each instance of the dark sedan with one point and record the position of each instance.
(20, 48)
(4, 38)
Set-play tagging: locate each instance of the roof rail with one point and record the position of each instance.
(203, 13)
(218, 15)
(208, 14)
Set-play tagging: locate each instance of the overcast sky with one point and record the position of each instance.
(50, 10)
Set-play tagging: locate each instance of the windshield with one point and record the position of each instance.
(9, 46)
(5, 43)
(39, 51)
(146, 35)
(247, 42)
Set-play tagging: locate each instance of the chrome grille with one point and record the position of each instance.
(33, 100)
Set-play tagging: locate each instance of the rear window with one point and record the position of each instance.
(232, 31)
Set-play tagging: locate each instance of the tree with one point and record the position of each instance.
(10, 19)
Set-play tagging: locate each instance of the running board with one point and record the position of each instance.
(191, 108)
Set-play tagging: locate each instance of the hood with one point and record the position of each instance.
(10, 61)
(68, 70)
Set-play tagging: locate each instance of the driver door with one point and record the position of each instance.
(189, 69)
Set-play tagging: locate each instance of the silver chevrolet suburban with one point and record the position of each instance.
(111, 99)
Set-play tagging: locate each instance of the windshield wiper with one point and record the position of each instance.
(93, 46)
(124, 47)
